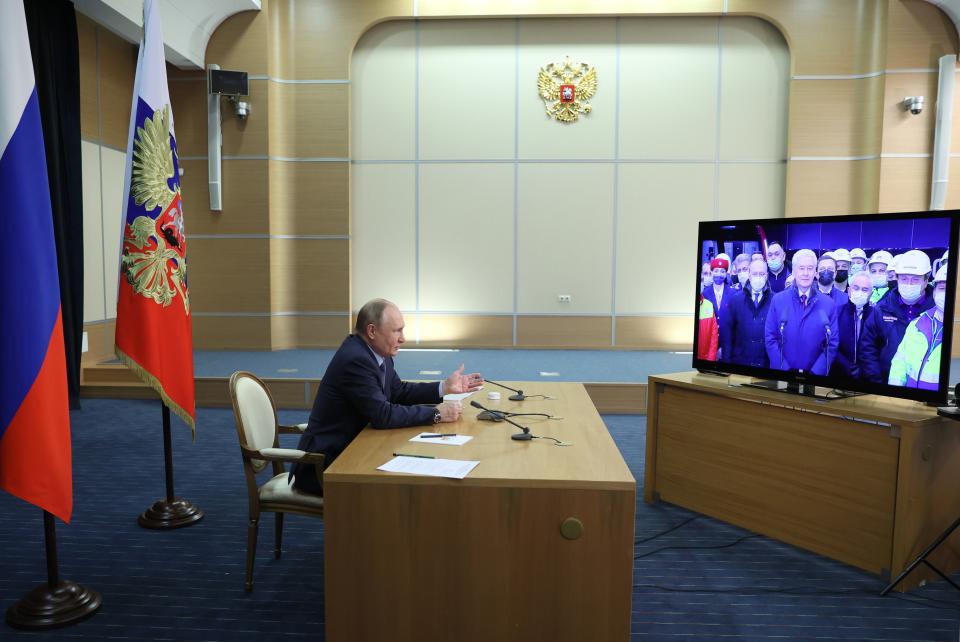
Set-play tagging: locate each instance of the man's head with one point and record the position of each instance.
(775, 256)
(380, 324)
(741, 267)
(826, 270)
(877, 268)
(860, 289)
(758, 274)
(913, 268)
(804, 268)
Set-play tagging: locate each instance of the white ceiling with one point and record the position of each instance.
(187, 24)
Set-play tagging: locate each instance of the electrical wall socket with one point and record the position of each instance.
(563, 298)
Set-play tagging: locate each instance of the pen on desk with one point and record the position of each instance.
(434, 436)
(409, 455)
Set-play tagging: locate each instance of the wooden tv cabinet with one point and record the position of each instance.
(869, 481)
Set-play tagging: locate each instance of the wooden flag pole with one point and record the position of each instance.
(172, 512)
(56, 603)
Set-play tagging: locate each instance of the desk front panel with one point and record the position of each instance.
(415, 562)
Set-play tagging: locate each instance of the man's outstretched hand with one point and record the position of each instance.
(458, 383)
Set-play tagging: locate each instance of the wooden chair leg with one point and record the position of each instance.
(278, 531)
(252, 528)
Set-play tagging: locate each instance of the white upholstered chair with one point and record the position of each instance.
(258, 430)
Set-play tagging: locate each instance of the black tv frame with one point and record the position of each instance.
(796, 381)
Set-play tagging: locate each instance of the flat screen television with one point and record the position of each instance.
(856, 304)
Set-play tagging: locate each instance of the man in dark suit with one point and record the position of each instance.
(742, 333)
(361, 387)
(851, 317)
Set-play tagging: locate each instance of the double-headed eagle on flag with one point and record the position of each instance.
(565, 88)
(154, 250)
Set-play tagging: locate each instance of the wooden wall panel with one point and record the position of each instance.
(240, 42)
(462, 331)
(89, 99)
(245, 198)
(188, 99)
(314, 39)
(836, 117)
(309, 198)
(903, 132)
(918, 33)
(229, 275)
(246, 137)
(832, 187)
(563, 332)
(655, 333)
(308, 331)
(118, 66)
(904, 184)
(825, 36)
(309, 275)
(309, 120)
(230, 333)
(99, 341)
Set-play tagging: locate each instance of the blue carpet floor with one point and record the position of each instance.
(704, 579)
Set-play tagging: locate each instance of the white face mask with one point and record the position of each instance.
(706, 280)
(878, 280)
(910, 293)
(743, 277)
(859, 298)
(939, 299)
(855, 268)
(757, 283)
(775, 264)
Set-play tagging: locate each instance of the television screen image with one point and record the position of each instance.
(860, 303)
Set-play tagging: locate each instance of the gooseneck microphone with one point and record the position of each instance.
(517, 397)
(520, 436)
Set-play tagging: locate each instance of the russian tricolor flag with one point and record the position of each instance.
(35, 462)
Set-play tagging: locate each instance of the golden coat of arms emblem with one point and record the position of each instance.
(565, 88)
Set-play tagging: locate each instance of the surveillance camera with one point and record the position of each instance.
(914, 104)
(240, 107)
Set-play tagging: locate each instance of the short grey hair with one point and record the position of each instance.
(371, 312)
(799, 254)
(741, 259)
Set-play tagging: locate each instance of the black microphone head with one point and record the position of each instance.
(473, 402)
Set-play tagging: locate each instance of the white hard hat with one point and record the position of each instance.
(858, 253)
(723, 255)
(941, 274)
(841, 254)
(881, 256)
(913, 262)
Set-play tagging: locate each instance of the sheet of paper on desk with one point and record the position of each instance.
(450, 468)
(455, 440)
(461, 396)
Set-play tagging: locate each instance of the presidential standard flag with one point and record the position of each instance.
(35, 462)
(153, 335)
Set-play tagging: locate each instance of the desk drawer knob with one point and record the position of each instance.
(571, 528)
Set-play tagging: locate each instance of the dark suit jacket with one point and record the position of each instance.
(845, 364)
(352, 394)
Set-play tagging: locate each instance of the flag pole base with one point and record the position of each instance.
(46, 608)
(176, 513)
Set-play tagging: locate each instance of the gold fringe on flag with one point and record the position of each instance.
(154, 383)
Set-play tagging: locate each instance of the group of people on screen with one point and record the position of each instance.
(872, 317)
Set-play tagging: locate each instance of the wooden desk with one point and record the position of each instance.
(424, 558)
(869, 481)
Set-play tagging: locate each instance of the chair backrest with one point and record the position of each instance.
(255, 414)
